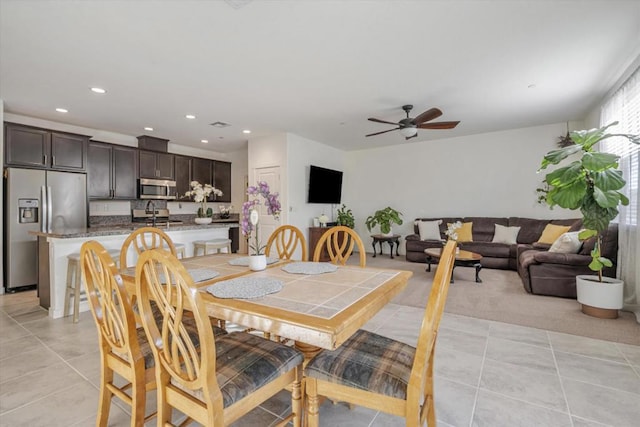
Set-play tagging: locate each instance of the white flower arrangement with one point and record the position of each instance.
(451, 230)
(200, 193)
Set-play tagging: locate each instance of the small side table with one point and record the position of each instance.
(379, 238)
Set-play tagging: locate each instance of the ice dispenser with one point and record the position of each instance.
(28, 210)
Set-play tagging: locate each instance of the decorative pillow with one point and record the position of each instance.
(504, 234)
(464, 232)
(429, 230)
(552, 232)
(568, 243)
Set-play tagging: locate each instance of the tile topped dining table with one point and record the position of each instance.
(318, 311)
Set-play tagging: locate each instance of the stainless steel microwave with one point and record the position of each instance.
(163, 189)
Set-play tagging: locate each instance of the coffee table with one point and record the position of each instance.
(463, 258)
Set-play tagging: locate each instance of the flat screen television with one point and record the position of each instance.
(325, 185)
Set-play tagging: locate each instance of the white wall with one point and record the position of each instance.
(269, 152)
(301, 153)
(491, 174)
(2, 199)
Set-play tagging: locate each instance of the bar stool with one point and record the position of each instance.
(206, 245)
(74, 286)
(180, 250)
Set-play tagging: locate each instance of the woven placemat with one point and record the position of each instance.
(244, 261)
(245, 287)
(197, 274)
(310, 267)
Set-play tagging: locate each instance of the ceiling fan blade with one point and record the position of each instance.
(430, 114)
(438, 125)
(384, 131)
(409, 137)
(382, 121)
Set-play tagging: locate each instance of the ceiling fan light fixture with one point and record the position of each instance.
(409, 131)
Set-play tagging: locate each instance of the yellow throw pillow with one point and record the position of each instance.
(552, 232)
(464, 232)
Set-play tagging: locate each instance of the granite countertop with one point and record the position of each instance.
(115, 229)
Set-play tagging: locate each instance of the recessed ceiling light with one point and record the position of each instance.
(62, 110)
(204, 141)
(190, 116)
(98, 90)
(246, 131)
(148, 128)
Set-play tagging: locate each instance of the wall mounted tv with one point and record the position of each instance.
(325, 185)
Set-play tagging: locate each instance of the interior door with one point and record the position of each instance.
(267, 223)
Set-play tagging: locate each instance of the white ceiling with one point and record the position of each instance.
(318, 69)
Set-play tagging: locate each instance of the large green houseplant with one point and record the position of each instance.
(384, 217)
(591, 182)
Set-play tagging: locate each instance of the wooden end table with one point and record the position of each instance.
(380, 238)
(463, 258)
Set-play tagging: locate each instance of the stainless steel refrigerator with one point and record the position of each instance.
(38, 200)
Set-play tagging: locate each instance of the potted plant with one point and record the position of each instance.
(345, 217)
(591, 182)
(384, 217)
(200, 193)
(250, 218)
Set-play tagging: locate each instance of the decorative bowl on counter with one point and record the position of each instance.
(203, 221)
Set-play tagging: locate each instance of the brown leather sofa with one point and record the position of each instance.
(542, 272)
(552, 273)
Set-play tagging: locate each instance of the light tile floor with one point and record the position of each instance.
(487, 374)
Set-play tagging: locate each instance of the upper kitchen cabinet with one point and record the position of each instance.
(201, 172)
(112, 171)
(44, 149)
(222, 180)
(183, 174)
(156, 165)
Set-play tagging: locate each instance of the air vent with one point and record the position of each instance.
(220, 124)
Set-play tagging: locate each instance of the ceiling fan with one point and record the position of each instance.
(409, 126)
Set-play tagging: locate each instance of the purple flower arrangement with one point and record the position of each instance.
(249, 223)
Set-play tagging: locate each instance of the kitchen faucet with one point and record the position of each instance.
(146, 209)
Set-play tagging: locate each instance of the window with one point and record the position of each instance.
(624, 107)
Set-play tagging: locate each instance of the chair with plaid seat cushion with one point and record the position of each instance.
(383, 374)
(123, 349)
(339, 243)
(222, 380)
(286, 239)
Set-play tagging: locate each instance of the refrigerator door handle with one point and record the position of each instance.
(49, 210)
(43, 209)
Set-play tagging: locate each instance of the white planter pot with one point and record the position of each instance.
(257, 262)
(607, 295)
(203, 221)
(389, 234)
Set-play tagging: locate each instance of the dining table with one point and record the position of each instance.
(317, 311)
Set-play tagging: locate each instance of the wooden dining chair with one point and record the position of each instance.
(339, 243)
(146, 238)
(383, 374)
(124, 349)
(213, 382)
(287, 238)
(143, 239)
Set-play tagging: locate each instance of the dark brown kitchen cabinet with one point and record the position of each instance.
(156, 165)
(222, 180)
(44, 149)
(201, 172)
(183, 174)
(112, 171)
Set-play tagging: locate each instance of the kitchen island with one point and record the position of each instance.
(54, 247)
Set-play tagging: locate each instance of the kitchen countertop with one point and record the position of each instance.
(113, 230)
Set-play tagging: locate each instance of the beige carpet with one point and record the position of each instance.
(501, 297)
